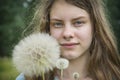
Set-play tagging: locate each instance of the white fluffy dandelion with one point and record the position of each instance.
(76, 75)
(36, 54)
(62, 64)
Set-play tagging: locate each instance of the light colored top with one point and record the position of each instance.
(21, 77)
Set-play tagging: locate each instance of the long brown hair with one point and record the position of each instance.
(104, 57)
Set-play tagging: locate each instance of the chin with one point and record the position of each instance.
(69, 57)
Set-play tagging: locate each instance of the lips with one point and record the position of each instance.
(69, 45)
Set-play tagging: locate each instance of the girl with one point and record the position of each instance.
(84, 35)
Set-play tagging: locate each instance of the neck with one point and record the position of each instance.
(78, 65)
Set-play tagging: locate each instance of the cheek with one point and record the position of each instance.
(55, 33)
(85, 35)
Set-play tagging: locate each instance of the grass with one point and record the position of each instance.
(7, 69)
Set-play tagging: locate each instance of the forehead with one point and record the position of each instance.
(63, 9)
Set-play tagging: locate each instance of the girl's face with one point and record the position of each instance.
(71, 26)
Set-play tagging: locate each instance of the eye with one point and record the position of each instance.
(57, 24)
(78, 23)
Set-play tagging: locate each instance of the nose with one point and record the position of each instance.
(68, 32)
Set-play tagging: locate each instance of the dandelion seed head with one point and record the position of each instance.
(62, 63)
(76, 75)
(36, 54)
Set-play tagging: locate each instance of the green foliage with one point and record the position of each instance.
(7, 70)
(114, 12)
(12, 24)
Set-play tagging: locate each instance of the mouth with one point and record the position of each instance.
(69, 45)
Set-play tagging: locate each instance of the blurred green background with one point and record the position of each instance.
(14, 17)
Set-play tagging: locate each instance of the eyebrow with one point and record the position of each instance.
(54, 19)
(73, 19)
(81, 17)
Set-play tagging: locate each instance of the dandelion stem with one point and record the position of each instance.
(61, 74)
(43, 76)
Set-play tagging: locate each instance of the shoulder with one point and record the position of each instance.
(20, 77)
